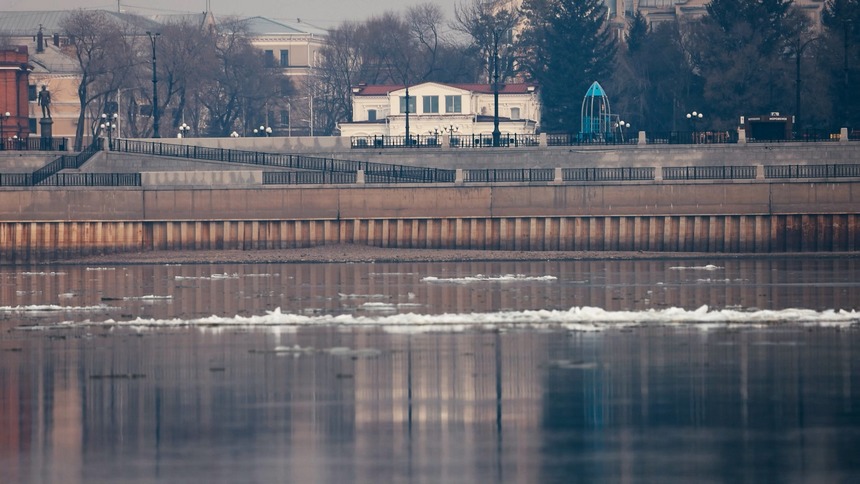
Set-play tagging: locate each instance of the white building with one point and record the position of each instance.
(436, 108)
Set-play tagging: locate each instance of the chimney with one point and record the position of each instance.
(40, 41)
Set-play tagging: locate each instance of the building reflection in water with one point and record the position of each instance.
(103, 404)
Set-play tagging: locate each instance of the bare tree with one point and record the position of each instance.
(490, 27)
(101, 48)
(243, 87)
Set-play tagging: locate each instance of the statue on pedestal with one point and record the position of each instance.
(44, 100)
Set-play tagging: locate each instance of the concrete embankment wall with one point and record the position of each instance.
(739, 216)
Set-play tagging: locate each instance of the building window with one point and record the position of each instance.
(371, 115)
(285, 58)
(31, 92)
(431, 104)
(285, 117)
(452, 104)
(270, 58)
(515, 113)
(403, 104)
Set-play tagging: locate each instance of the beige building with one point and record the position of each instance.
(436, 108)
(666, 10)
(292, 47)
(295, 49)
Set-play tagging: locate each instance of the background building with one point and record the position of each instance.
(436, 108)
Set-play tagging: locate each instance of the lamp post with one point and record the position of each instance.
(108, 125)
(263, 131)
(694, 117)
(621, 125)
(183, 130)
(153, 36)
(3, 117)
(496, 133)
(845, 23)
(407, 116)
(798, 54)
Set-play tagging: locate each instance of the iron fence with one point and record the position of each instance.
(709, 172)
(66, 161)
(509, 175)
(379, 141)
(580, 139)
(608, 174)
(307, 178)
(93, 180)
(301, 162)
(812, 171)
(691, 137)
(34, 144)
(512, 140)
(16, 179)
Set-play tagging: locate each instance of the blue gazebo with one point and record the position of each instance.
(597, 118)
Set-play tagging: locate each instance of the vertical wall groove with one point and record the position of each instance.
(41, 241)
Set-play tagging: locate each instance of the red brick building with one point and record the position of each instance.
(14, 83)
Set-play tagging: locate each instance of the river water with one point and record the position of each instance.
(725, 370)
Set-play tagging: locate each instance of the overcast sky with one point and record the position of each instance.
(322, 13)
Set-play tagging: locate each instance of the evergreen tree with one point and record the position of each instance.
(566, 46)
(652, 80)
(741, 50)
(840, 53)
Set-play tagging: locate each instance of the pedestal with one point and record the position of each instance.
(46, 132)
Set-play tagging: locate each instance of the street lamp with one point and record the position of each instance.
(3, 118)
(108, 127)
(183, 130)
(153, 36)
(263, 131)
(621, 125)
(234, 134)
(693, 117)
(798, 54)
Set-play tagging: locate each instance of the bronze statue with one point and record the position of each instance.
(45, 101)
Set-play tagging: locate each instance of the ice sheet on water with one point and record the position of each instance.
(45, 308)
(708, 267)
(213, 277)
(486, 278)
(575, 319)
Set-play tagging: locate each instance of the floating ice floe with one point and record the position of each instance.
(709, 267)
(485, 278)
(575, 319)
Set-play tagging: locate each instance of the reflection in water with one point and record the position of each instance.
(194, 291)
(332, 404)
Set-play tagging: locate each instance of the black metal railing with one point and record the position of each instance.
(509, 175)
(511, 140)
(300, 162)
(16, 179)
(709, 172)
(608, 174)
(691, 137)
(854, 135)
(93, 180)
(380, 141)
(580, 139)
(307, 178)
(66, 161)
(34, 144)
(812, 171)
(435, 141)
(804, 136)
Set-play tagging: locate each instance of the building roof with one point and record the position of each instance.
(385, 89)
(27, 23)
(265, 26)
